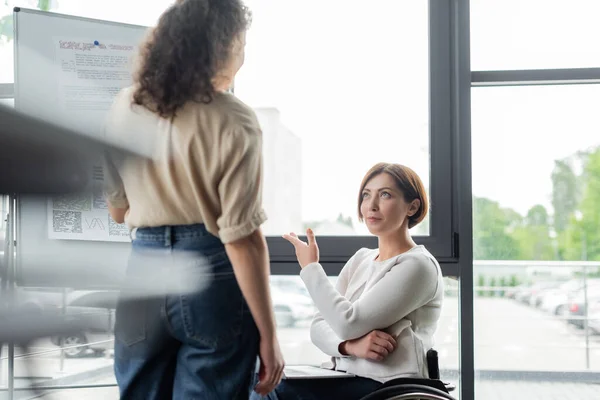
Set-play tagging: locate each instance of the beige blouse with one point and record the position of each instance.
(206, 166)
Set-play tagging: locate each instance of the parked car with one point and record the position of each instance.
(594, 317)
(538, 292)
(577, 306)
(511, 293)
(96, 311)
(291, 308)
(557, 300)
(32, 299)
(289, 283)
(526, 292)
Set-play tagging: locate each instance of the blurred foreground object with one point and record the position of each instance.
(38, 157)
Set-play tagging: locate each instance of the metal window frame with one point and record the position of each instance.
(531, 77)
(458, 14)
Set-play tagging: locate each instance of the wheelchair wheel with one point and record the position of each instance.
(408, 392)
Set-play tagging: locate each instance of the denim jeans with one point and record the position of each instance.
(317, 389)
(198, 344)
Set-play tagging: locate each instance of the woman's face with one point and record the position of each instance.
(383, 206)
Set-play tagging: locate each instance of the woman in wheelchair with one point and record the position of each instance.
(378, 321)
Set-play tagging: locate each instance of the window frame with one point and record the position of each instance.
(443, 238)
(526, 77)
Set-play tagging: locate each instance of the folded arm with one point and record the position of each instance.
(403, 289)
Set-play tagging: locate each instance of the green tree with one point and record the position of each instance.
(310, 224)
(492, 292)
(6, 22)
(502, 286)
(44, 5)
(585, 234)
(480, 284)
(564, 194)
(6, 27)
(491, 231)
(533, 235)
(345, 220)
(514, 281)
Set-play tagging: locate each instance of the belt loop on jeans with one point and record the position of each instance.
(168, 233)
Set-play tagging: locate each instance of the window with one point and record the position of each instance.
(333, 102)
(536, 190)
(534, 179)
(534, 34)
(324, 127)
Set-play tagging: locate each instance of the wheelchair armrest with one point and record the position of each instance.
(450, 387)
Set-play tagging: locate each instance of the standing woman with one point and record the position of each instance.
(199, 196)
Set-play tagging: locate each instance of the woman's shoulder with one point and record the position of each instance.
(419, 256)
(359, 260)
(124, 116)
(363, 255)
(234, 111)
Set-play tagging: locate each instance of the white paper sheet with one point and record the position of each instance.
(90, 71)
(84, 216)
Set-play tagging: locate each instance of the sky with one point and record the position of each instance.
(351, 82)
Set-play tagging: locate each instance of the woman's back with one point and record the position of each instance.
(190, 179)
(199, 194)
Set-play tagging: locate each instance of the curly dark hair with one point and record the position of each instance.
(191, 43)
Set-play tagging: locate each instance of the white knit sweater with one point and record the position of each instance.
(401, 296)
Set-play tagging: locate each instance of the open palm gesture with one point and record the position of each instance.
(305, 252)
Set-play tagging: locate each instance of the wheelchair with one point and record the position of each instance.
(416, 388)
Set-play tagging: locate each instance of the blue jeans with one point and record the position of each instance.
(318, 389)
(200, 344)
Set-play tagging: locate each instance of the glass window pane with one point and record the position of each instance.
(333, 100)
(447, 337)
(82, 358)
(534, 34)
(79, 357)
(315, 156)
(536, 190)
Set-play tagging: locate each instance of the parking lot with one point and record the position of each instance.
(510, 335)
